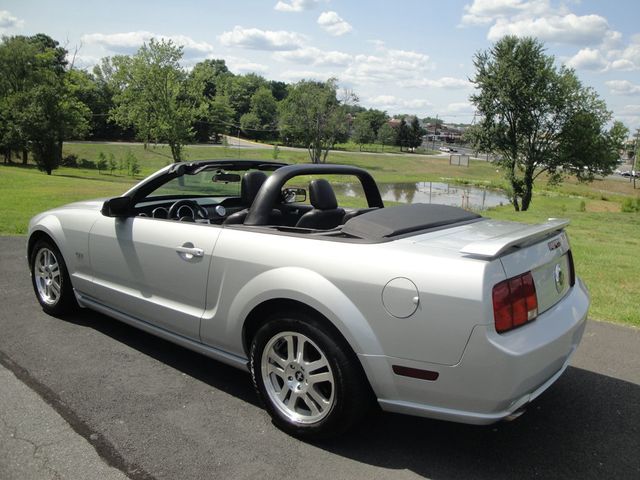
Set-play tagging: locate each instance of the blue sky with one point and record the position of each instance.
(400, 56)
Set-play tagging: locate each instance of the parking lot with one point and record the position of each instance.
(155, 410)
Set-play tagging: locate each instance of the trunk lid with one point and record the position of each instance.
(542, 249)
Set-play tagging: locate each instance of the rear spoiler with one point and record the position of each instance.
(493, 247)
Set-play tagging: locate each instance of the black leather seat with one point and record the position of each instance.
(251, 183)
(325, 214)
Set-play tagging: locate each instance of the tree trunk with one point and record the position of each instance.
(25, 156)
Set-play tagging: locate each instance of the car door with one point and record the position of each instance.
(153, 269)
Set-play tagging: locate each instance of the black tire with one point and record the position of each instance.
(65, 301)
(351, 398)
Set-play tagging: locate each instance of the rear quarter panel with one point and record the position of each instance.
(345, 281)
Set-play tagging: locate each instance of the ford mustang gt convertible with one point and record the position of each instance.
(333, 306)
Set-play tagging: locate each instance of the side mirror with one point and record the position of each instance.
(293, 195)
(116, 207)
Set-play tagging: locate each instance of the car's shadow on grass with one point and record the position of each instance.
(587, 425)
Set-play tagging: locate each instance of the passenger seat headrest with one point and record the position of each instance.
(321, 195)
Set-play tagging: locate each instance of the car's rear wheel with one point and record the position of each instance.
(306, 377)
(50, 279)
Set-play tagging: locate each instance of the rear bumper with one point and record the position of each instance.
(497, 374)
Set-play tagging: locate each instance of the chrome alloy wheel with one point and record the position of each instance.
(297, 377)
(48, 277)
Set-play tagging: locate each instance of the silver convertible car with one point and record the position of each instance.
(426, 310)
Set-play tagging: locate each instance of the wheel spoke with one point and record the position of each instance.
(308, 400)
(291, 402)
(282, 394)
(316, 365)
(277, 370)
(321, 377)
(291, 350)
(55, 287)
(320, 400)
(275, 359)
(301, 343)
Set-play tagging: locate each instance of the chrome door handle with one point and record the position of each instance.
(193, 251)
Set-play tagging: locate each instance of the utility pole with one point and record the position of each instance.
(634, 171)
(435, 129)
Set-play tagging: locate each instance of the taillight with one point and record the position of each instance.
(514, 302)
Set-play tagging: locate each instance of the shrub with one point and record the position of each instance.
(630, 205)
(70, 160)
(88, 164)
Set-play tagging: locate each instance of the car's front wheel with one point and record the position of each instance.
(50, 279)
(306, 378)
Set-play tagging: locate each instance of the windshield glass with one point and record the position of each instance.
(208, 183)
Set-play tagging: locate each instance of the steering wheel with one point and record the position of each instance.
(193, 206)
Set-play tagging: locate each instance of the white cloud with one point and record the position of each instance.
(296, 75)
(256, 39)
(334, 23)
(570, 28)
(482, 12)
(443, 82)
(588, 59)
(242, 65)
(391, 102)
(388, 65)
(129, 42)
(9, 21)
(631, 110)
(623, 87)
(295, 5)
(316, 57)
(460, 107)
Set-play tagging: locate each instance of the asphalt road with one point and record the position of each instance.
(154, 410)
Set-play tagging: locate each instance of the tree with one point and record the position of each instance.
(38, 105)
(261, 121)
(112, 163)
(311, 115)
(386, 135)
(538, 118)
(152, 95)
(102, 162)
(415, 134)
(402, 134)
(362, 130)
(213, 111)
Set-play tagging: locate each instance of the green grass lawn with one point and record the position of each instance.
(605, 241)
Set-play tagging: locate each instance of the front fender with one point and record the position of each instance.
(307, 287)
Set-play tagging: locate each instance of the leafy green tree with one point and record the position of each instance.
(312, 115)
(415, 134)
(112, 163)
(538, 118)
(152, 95)
(402, 134)
(362, 130)
(386, 135)
(102, 162)
(38, 105)
(214, 114)
(239, 90)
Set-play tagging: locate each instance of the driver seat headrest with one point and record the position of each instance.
(251, 183)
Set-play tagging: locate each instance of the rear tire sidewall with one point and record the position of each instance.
(66, 301)
(349, 393)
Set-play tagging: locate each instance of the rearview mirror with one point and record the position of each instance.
(116, 207)
(293, 195)
(226, 177)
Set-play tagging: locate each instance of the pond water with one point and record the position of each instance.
(432, 192)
